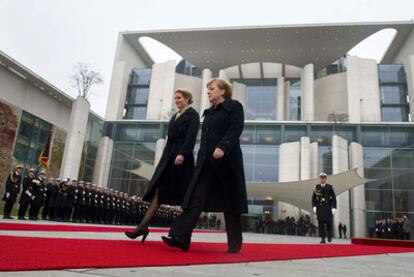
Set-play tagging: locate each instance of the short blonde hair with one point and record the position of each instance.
(186, 94)
(222, 84)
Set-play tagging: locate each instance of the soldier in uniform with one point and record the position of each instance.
(49, 191)
(26, 195)
(38, 196)
(12, 190)
(71, 193)
(53, 213)
(324, 205)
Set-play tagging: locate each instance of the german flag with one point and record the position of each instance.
(44, 154)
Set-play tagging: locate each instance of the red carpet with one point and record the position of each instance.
(27, 253)
(78, 228)
(384, 242)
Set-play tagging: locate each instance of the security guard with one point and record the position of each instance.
(324, 205)
(12, 190)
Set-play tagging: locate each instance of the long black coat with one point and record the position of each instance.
(324, 200)
(225, 186)
(173, 180)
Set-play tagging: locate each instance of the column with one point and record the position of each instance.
(223, 75)
(280, 109)
(103, 161)
(204, 103)
(287, 101)
(340, 164)
(314, 160)
(305, 158)
(356, 160)
(161, 91)
(239, 92)
(75, 138)
(307, 93)
(409, 70)
(289, 170)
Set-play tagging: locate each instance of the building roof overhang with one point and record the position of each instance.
(298, 45)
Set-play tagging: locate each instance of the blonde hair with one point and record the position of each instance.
(222, 84)
(186, 94)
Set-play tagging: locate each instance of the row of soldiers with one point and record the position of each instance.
(70, 200)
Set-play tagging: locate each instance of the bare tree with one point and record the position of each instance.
(337, 119)
(83, 78)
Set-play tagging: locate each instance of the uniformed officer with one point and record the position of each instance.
(38, 196)
(26, 195)
(12, 190)
(49, 191)
(324, 205)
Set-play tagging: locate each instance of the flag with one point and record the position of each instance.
(44, 154)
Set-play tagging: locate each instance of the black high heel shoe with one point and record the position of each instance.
(138, 232)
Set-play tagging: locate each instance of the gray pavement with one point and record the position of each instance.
(373, 265)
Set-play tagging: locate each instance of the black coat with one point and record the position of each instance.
(12, 187)
(225, 186)
(173, 180)
(27, 191)
(324, 200)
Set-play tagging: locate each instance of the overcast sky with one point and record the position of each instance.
(50, 36)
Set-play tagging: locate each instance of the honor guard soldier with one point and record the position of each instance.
(46, 206)
(26, 195)
(324, 205)
(54, 200)
(12, 190)
(38, 196)
(71, 193)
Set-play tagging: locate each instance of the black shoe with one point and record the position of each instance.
(7, 217)
(138, 232)
(323, 241)
(173, 242)
(22, 218)
(329, 239)
(234, 250)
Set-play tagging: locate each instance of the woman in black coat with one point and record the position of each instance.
(173, 173)
(218, 183)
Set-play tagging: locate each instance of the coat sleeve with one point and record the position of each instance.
(191, 136)
(232, 136)
(333, 198)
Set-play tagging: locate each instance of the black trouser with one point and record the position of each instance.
(34, 211)
(8, 206)
(184, 224)
(23, 209)
(325, 229)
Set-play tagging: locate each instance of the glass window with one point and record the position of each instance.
(393, 94)
(392, 73)
(325, 159)
(268, 135)
(379, 200)
(126, 132)
(322, 135)
(261, 102)
(374, 136)
(399, 137)
(133, 112)
(294, 133)
(140, 76)
(294, 99)
(248, 135)
(394, 114)
(377, 157)
(138, 96)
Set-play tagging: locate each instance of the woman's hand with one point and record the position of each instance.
(179, 160)
(218, 153)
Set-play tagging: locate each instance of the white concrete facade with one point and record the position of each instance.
(356, 160)
(75, 139)
(340, 163)
(161, 91)
(103, 161)
(307, 91)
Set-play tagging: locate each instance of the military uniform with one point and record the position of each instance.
(38, 196)
(26, 195)
(12, 190)
(324, 200)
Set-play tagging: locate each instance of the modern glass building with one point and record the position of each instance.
(309, 107)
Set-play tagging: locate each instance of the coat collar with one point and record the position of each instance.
(223, 105)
